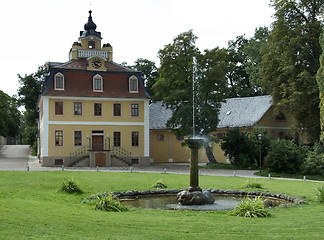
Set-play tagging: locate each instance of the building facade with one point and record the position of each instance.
(245, 113)
(92, 111)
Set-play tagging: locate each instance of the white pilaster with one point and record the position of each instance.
(146, 128)
(45, 126)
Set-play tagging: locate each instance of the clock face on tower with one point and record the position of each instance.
(96, 63)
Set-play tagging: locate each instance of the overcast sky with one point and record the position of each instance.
(36, 31)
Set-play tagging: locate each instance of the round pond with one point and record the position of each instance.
(169, 202)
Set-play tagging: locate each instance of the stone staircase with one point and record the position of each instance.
(81, 158)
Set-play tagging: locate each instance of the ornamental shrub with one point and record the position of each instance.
(320, 194)
(110, 203)
(314, 163)
(243, 147)
(284, 156)
(253, 185)
(249, 207)
(242, 151)
(159, 184)
(70, 186)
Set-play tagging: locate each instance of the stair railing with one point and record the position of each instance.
(79, 155)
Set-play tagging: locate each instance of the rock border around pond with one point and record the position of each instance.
(282, 196)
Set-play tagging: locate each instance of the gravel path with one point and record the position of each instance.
(17, 158)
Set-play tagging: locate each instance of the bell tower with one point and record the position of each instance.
(89, 47)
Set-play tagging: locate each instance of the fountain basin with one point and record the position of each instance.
(224, 199)
(169, 202)
(194, 142)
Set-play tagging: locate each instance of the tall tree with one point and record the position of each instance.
(9, 116)
(149, 72)
(174, 85)
(239, 84)
(320, 82)
(254, 57)
(291, 59)
(29, 90)
(244, 62)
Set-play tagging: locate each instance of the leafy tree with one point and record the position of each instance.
(9, 116)
(291, 59)
(29, 90)
(254, 57)
(320, 83)
(244, 62)
(175, 81)
(149, 72)
(238, 78)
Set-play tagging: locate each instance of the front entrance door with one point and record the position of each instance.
(100, 159)
(98, 143)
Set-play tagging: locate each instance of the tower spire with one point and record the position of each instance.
(90, 28)
(90, 24)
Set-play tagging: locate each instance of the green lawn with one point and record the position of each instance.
(32, 208)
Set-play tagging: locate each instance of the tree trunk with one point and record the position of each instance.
(210, 154)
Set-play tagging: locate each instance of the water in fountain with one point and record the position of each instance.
(194, 195)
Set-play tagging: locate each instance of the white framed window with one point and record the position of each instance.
(77, 138)
(77, 108)
(117, 110)
(134, 109)
(97, 109)
(117, 139)
(58, 138)
(97, 83)
(133, 84)
(135, 139)
(58, 108)
(59, 81)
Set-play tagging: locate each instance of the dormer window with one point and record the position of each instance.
(97, 83)
(91, 44)
(133, 84)
(59, 81)
(280, 117)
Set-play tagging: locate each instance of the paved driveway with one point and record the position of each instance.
(14, 157)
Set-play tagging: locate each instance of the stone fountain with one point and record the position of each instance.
(194, 195)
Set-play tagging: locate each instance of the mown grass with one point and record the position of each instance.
(32, 207)
(288, 175)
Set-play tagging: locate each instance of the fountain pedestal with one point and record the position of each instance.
(194, 195)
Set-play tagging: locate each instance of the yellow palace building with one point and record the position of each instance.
(95, 112)
(92, 111)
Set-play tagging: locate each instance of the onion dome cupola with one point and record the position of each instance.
(89, 47)
(90, 28)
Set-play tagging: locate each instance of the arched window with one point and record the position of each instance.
(160, 137)
(133, 84)
(91, 44)
(59, 81)
(97, 83)
(280, 117)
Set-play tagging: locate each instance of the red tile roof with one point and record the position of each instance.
(78, 81)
